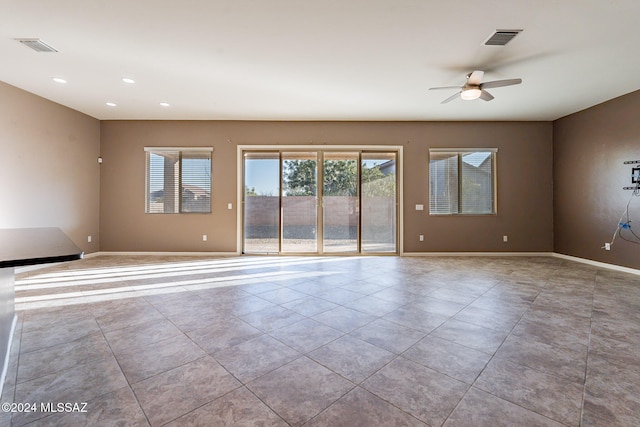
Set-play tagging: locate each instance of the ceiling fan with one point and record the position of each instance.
(474, 88)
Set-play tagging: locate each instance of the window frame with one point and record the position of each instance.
(459, 153)
(180, 151)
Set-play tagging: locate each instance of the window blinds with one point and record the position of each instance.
(462, 182)
(178, 180)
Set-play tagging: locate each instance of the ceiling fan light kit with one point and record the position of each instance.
(470, 94)
(474, 88)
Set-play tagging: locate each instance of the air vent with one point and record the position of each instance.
(501, 37)
(37, 45)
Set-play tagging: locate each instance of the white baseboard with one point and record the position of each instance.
(91, 255)
(597, 263)
(473, 254)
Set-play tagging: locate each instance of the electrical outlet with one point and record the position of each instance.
(505, 239)
(88, 239)
(607, 246)
(421, 237)
(229, 206)
(204, 237)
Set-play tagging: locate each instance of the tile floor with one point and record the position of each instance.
(351, 341)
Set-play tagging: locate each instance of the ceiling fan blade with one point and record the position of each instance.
(444, 87)
(475, 78)
(486, 96)
(451, 98)
(500, 83)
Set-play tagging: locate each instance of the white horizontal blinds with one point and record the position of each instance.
(462, 181)
(163, 180)
(476, 176)
(178, 180)
(443, 183)
(196, 181)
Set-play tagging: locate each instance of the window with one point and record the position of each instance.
(178, 180)
(462, 182)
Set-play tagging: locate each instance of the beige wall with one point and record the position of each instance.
(51, 177)
(524, 181)
(48, 168)
(589, 150)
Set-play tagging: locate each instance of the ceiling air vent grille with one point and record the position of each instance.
(501, 37)
(37, 45)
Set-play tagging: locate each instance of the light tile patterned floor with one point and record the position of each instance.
(327, 341)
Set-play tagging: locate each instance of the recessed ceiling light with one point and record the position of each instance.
(110, 104)
(165, 104)
(128, 80)
(59, 80)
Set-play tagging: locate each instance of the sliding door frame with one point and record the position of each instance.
(241, 149)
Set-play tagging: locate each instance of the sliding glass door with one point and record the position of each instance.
(337, 202)
(379, 202)
(262, 202)
(300, 202)
(340, 202)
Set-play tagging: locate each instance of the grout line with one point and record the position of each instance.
(395, 357)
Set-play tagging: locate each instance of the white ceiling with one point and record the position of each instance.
(320, 60)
